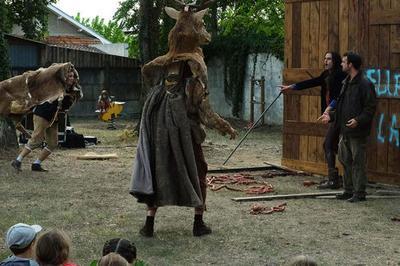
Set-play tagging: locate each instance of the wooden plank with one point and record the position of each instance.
(305, 128)
(395, 41)
(312, 167)
(388, 16)
(287, 196)
(372, 147)
(353, 25)
(303, 148)
(368, 197)
(291, 146)
(363, 25)
(293, 75)
(296, 35)
(382, 147)
(333, 27)
(314, 35)
(304, 108)
(323, 30)
(288, 35)
(293, 108)
(383, 177)
(313, 114)
(343, 26)
(394, 44)
(373, 42)
(305, 35)
(393, 137)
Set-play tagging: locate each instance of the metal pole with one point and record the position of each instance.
(252, 127)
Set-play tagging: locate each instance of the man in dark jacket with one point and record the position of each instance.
(330, 81)
(354, 114)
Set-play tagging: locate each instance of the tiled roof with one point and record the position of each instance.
(64, 39)
(77, 24)
(79, 47)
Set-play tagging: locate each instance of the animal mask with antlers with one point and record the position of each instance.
(189, 31)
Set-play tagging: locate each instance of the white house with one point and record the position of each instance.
(65, 31)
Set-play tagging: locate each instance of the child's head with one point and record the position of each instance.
(113, 259)
(121, 246)
(104, 94)
(21, 237)
(52, 248)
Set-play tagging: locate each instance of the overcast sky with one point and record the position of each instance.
(89, 8)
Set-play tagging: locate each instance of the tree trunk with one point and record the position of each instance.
(214, 21)
(8, 136)
(144, 30)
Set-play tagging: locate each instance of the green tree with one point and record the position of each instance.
(30, 15)
(143, 18)
(111, 31)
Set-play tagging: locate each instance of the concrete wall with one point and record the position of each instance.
(123, 84)
(271, 68)
(268, 66)
(215, 69)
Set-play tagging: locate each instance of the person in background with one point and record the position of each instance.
(330, 81)
(113, 259)
(45, 124)
(53, 248)
(121, 246)
(104, 101)
(20, 239)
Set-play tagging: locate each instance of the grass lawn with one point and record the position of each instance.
(90, 201)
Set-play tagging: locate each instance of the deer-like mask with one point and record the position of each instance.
(189, 31)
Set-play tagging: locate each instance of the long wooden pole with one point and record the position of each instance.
(252, 127)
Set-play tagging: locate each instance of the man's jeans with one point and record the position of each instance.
(352, 155)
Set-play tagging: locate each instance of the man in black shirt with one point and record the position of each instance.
(46, 124)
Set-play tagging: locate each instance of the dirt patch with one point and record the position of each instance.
(90, 200)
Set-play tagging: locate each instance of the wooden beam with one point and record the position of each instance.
(312, 167)
(305, 128)
(384, 17)
(293, 75)
(368, 197)
(382, 177)
(287, 196)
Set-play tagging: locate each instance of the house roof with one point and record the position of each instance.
(80, 47)
(67, 39)
(77, 24)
